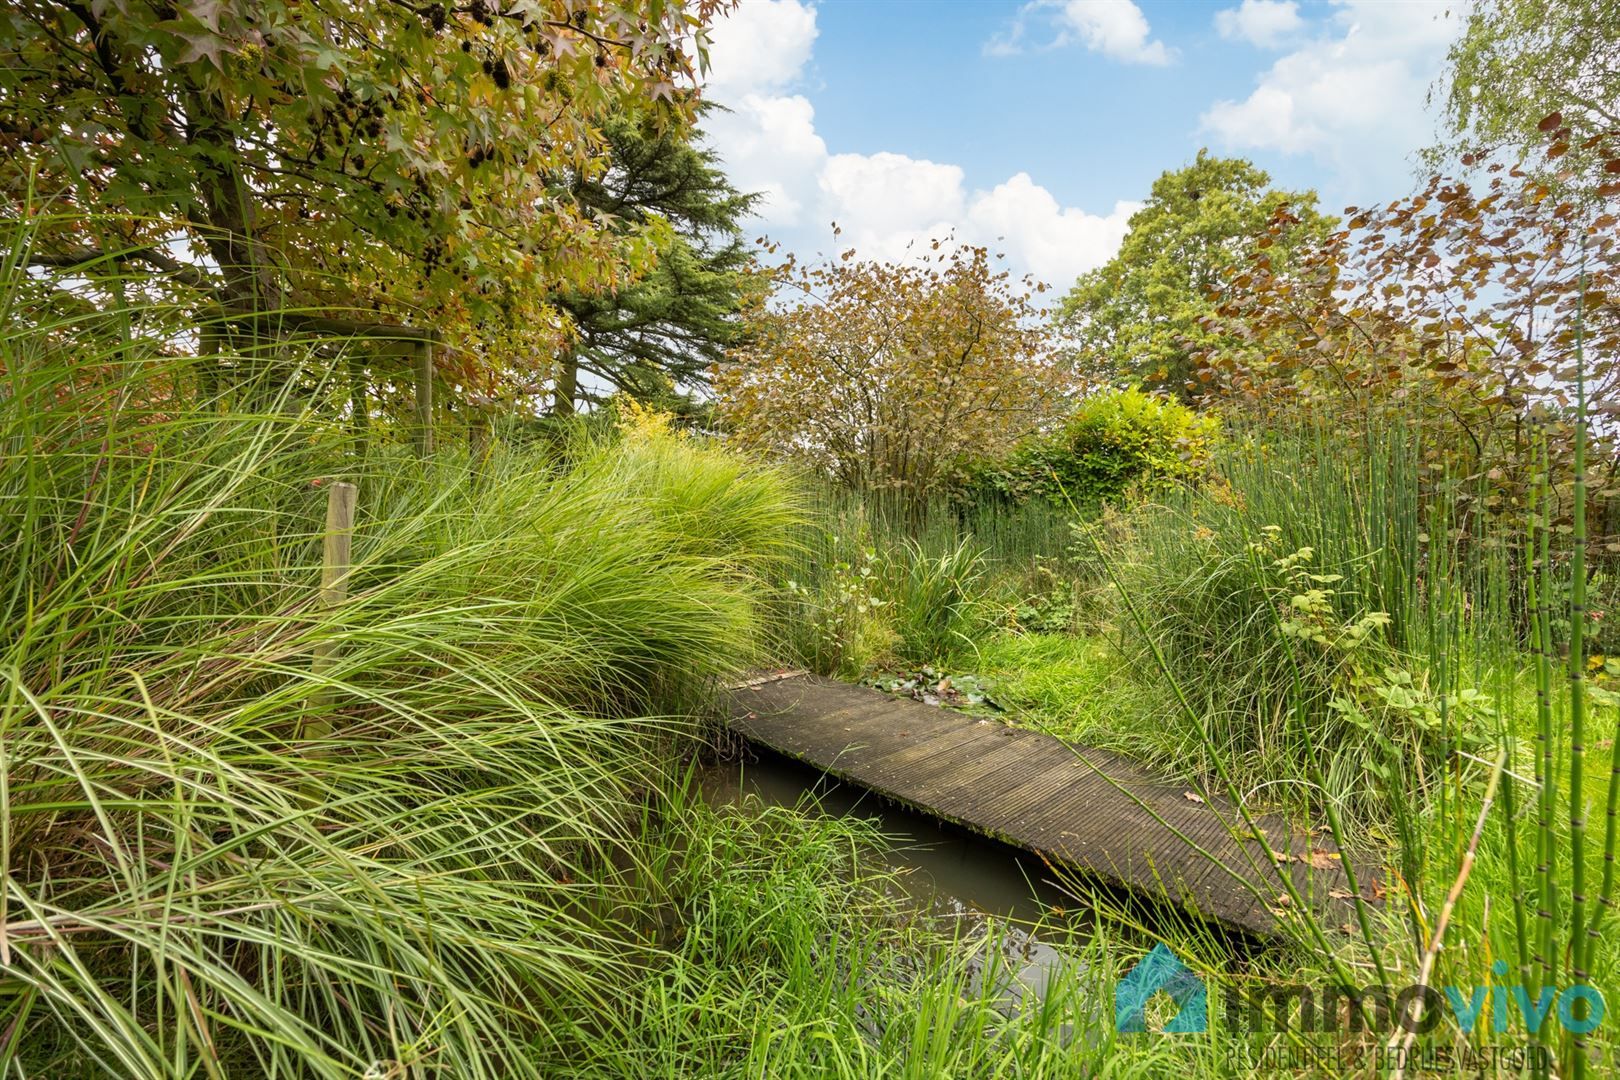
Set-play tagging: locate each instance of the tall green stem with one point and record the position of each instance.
(1580, 945)
(1538, 585)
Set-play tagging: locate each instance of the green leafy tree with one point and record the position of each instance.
(341, 156)
(1517, 63)
(1142, 314)
(666, 328)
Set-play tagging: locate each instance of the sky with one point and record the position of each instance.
(1038, 128)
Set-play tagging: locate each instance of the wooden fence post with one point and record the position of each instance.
(424, 399)
(334, 589)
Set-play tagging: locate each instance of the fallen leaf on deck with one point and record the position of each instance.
(1324, 860)
(1192, 796)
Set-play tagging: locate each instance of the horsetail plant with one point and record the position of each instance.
(1580, 945)
(1579, 921)
(1538, 584)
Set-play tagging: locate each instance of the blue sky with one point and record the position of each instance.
(1044, 124)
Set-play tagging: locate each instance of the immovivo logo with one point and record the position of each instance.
(1417, 1008)
(1163, 970)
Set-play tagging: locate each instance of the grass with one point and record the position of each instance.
(798, 955)
(860, 593)
(937, 601)
(460, 846)
(465, 843)
(1063, 684)
(1344, 638)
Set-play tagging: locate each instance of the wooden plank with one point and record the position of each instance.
(1080, 807)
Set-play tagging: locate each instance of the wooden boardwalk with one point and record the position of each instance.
(1084, 809)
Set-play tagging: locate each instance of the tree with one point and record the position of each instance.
(1142, 313)
(1452, 312)
(892, 375)
(670, 326)
(1518, 61)
(338, 156)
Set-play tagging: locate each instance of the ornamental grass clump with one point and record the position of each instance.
(195, 886)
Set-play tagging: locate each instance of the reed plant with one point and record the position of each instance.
(1341, 541)
(877, 580)
(937, 600)
(1476, 761)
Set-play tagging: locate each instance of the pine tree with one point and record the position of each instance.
(667, 328)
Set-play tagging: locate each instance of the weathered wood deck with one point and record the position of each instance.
(1084, 809)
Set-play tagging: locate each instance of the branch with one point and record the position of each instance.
(274, 321)
(159, 260)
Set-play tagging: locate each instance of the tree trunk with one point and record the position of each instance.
(229, 232)
(562, 398)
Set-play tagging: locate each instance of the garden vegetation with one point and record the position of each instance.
(1323, 520)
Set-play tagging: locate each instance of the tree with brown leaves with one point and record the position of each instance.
(891, 375)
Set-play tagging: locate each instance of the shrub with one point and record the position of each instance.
(833, 613)
(1114, 442)
(866, 589)
(888, 374)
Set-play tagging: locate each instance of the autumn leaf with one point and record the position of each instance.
(397, 159)
(1322, 859)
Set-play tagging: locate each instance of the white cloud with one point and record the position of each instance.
(767, 136)
(761, 46)
(884, 202)
(1266, 23)
(1115, 28)
(769, 145)
(1361, 83)
(883, 197)
(1054, 242)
